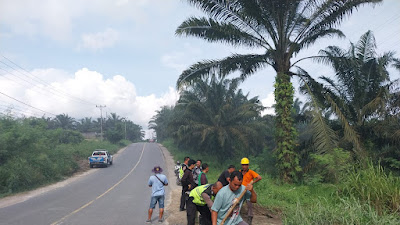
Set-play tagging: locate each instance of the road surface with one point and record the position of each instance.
(116, 195)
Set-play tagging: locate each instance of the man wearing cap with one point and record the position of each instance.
(157, 183)
(201, 199)
(248, 176)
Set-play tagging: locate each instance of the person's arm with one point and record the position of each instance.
(253, 197)
(258, 178)
(214, 216)
(207, 199)
(165, 181)
(150, 183)
(192, 184)
(185, 177)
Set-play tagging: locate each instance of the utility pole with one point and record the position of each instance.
(125, 126)
(101, 119)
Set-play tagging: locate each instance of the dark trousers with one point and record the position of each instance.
(184, 198)
(191, 209)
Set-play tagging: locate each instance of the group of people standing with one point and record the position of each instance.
(217, 203)
(214, 201)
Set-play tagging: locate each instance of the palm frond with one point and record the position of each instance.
(365, 47)
(213, 31)
(349, 133)
(324, 138)
(245, 64)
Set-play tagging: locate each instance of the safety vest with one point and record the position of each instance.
(196, 194)
(181, 172)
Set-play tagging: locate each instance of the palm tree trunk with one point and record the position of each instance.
(287, 158)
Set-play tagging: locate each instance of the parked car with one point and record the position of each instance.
(100, 157)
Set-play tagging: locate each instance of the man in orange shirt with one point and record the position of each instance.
(248, 176)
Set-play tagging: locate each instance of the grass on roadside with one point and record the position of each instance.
(349, 203)
(34, 169)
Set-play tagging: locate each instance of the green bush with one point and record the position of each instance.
(329, 167)
(38, 166)
(372, 185)
(345, 211)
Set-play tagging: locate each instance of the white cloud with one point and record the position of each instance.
(77, 95)
(180, 60)
(268, 102)
(57, 19)
(100, 40)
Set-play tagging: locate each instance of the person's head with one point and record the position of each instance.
(231, 168)
(178, 163)
(191, 164)
(205, 167)
(157, 169)
(216, 187)
(198, 163)
(245, 164)
(186, 159)
(235, 180)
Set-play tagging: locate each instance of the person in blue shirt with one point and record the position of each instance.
(157, 183)
(227, 196)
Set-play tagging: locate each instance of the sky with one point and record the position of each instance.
(67, 56)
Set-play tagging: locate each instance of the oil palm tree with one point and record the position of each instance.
(282, 28)
(65, 122)
(361, 91)
(160, 122)
(219, 119)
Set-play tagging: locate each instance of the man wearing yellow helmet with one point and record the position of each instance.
(248, 176)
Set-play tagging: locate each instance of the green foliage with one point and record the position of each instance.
(32, 155)
(281, 29)
(62, 136)
(285, 134)
(214, 116)
(374, 186)
(319, 203)
(328, 167)
(345, 211)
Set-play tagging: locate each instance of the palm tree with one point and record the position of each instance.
(282, 28)
(160, 122)
(361, 92)
(219, 119)
(85, 125)
(65, 122)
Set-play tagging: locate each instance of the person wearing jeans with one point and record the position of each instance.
(157, 183)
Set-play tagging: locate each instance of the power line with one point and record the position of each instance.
(26, 104)
(34, 85)
(22, 112)
(38, 80)
(10, 106)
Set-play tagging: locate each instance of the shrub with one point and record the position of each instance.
(345, 211)
(374, 186)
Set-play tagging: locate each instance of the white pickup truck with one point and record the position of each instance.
(100, 157)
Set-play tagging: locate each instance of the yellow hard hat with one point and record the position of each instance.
(244, 161)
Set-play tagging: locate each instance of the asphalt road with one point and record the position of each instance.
(116, 195)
